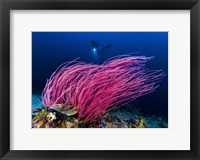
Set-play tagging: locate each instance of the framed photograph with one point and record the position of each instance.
(99, 79)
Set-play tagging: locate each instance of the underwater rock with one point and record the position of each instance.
(138, 123)
(68, 124)
(109, 125)
(39, 124)
(121, 114)
(39, 115)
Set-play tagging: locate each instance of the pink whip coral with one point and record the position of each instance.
(95, 89)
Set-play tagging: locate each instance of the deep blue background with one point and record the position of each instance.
(50, 49)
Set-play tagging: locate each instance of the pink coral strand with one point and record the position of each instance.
(95, 89)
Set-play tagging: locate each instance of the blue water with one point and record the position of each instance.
(50, 49)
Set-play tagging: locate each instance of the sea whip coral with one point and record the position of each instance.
(95, 89)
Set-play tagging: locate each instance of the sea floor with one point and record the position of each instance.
(124, 117)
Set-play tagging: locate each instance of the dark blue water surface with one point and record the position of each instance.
(50, 49)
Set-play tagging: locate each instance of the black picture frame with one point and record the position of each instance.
(7, 5)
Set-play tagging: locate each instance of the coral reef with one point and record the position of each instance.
(90, 91)
(119, 118)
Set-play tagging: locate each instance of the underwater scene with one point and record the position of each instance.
(100, 80)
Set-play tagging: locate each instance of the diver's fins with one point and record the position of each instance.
(108, 46)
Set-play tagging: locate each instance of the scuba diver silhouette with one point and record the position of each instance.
(99, 49)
